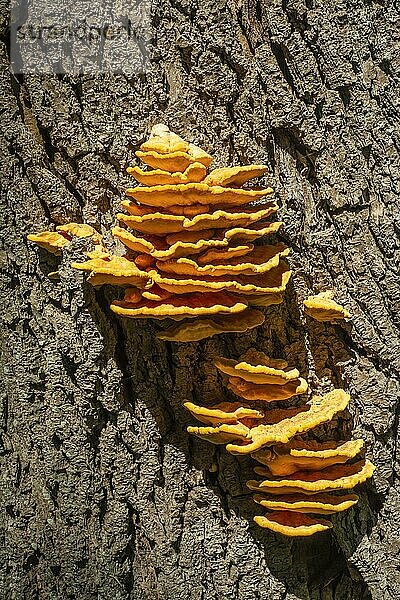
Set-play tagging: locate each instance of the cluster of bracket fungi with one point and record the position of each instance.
(189, 256)
(188, 237)
(299, 477)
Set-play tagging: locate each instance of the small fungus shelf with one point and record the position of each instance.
(323, 308)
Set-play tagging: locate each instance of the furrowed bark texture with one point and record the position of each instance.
(105, 495)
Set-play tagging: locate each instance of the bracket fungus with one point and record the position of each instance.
(234, 176)
(320, 409)
(179, 307)
(49, 240)
(271, 282)
(267, 392)
(166, 146)
(323, 308)
(257, 261)
(192, 257)
(336, 477)
(189, 193)
(194, 173)
(191, 234)
(299, 420)
(299, 476)
(113, 270)
(258, 377)
(318, 504)
(226, 412)
(193, 218)
(54, 241)
(199, 329)
(257, 367)
(307, 456)
(292, 524)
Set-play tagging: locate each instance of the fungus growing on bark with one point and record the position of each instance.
(189, 234)
(179, 307)
(49, 240)
(191, 238)
(171, 162)
(317, 504)
(271, 282)
(292, 524)
(81, 230)
(115, 270)
(267, 392)
(271, 417)
(257, 377)
(320, 409)
(225, 412)
(323, 308)
(99, 251)
(234, 176)
(256, 367)
(190, 193)
(158, 248)
(197, 329)
(282, 425)
(192, 217)
(298, 475)
(192, 257)
(177, 245)
(194, 173)
(53, 241)
(337, 477)
(221, 434)
(219, 254)
(257, 261)
(163, 142)
(306, 456)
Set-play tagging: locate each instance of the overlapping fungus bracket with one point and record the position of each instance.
(193, 257)
(190, 244)
(193, 233)
(300, 477)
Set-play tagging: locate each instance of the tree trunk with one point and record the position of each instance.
(105, 494)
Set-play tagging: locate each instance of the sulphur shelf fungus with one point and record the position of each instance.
(179, 307)
(299, 477)
(226, 412)
(201, 328)
(198, 230)
(307, 456)
(323, 308)
(257, 377)
(317, 504)
(192, 234)
(292, 524)
(293, 423)
(334, 478)
(197, 253)
(306, 491)
(55, 241)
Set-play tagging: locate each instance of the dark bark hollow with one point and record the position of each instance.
(105, 495)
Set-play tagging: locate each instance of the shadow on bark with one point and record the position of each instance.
(313, 568)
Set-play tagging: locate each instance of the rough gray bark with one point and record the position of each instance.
(105, 495)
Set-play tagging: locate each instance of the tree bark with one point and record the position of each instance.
(105, 494)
